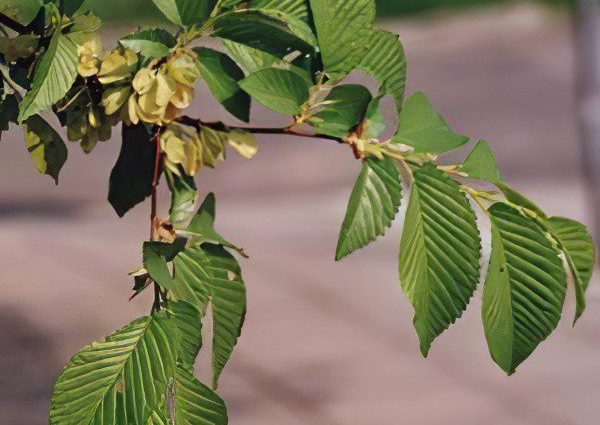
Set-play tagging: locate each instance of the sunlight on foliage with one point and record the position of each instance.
(292, 57)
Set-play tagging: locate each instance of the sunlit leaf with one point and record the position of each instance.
(424, 129)
(222, 76)
(343, 30)
(279, 90)
(53, 77)
(120, 380)
(46, 147)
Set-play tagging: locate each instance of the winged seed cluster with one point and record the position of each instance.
(292, 56)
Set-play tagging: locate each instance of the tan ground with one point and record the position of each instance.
(324, 343)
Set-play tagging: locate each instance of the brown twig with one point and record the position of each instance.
(13, 25)
(153, 210)
(288, 131)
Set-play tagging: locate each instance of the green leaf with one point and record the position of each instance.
(374, 124)
(279, 90)
(209, 273)
(195, 403)
(439, 253)
(345, 108)
(21, 46)
(188, 320)
(184, 197)
(481, 164)
(69, 7)
(424, 129)
(268, 30)
(160, 415)
(156, 255)
(9, 110)
(120, 380)
(185, 12)
(296, 8)
(252, 60)
(21, 11)
(524, 289)
(385, 60)
(373, 205)
(53, 77)
(46, 147)
(132, 175)
(222, 76)
(519, 199)
(343, 30)
(580, 252)
(202, 227)
(150, 43)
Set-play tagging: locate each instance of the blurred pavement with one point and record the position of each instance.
(324, 343)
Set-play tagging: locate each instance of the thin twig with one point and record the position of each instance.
(153, 233)
(13, 25)
(288, 131)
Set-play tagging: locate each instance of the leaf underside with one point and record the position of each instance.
(439, 253)
(118, 381)
(373, 204)
(524, 288)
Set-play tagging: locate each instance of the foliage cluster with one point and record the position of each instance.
(292, 56)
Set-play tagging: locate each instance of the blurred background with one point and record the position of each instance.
(324, 343)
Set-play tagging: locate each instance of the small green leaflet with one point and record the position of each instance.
(21, 11)
(184, 197)
(53, 77)
(202, 227)
(524, 288)
(150, 43)
(156, 255)
(120, 380)
(519, 199)
(279, 90)
(185, 12)
(580, 253)
(208, 273)
(132, 175)
(373, 125)
(439, 253)
(343, 30)
(46, 147)
(373, 205)
(345, 108)
(222, 76)
(385, 60)
(424, 129)
(481, 164)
